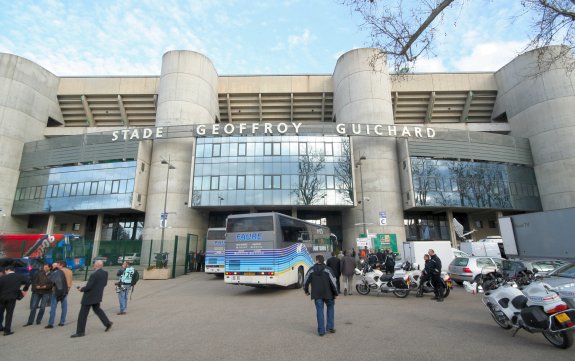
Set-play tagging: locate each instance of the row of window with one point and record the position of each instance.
(259, 182)
(266, 149)
(89, 188)
(456, 184)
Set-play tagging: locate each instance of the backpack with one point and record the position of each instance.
(135, 279)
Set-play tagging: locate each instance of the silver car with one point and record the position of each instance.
(563, 281)
(469, 268)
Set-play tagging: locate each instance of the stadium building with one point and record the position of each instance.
(153, 157)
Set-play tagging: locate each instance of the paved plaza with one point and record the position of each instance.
(198, 317)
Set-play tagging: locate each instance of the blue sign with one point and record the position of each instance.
(248, 237)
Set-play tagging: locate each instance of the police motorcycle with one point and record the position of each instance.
(414, 274)
(529, 304)
(374, 279)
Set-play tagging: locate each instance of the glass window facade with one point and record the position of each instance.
(75, 188)
(273, 170)
(426, 227)
(452, 183)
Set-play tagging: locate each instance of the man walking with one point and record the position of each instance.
(41, 291)
(10, 291)
(334, 263)
(436, 276)
(347, 270)
(323, 291)
(59, 293)
(123, 286)
(93, 294)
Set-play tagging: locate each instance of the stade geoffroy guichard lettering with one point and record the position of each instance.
(250, 129)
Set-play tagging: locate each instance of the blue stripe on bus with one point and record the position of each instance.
(214, 258)
(270, 260)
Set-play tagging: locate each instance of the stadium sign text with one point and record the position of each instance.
(243, 129)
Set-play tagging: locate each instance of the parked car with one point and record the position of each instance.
(24, 265)
(511, 267)
(562, 280)
(104, 259)
(469, 268)
(133, 258)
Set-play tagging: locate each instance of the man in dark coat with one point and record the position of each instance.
(10, 291)
(436, 275)
(334, 263)
(93, 293)
(41, 292)
(323, 291)
(389, 262)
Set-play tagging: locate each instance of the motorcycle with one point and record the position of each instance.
(374, 279)
(414, 274)
(530, 305)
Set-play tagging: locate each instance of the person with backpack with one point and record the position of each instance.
(124, 284)
(323, 291)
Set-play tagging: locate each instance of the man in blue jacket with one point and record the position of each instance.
(323, 291)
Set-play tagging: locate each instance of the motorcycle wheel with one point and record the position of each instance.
(563, 339)
(447, 291)
(503, 324)
(362, 289)
(401, 293)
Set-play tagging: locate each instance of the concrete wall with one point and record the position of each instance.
(540, 105)
(27, 99)
(362, 95)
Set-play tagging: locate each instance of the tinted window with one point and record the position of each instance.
(250, 224)
(484, 262)
(461, 262)
(565, 271)
(219, 234)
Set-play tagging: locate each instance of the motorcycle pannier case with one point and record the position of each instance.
(399, 283)
(535, 317)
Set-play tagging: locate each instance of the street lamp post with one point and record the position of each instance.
(358, 164)
(164, 217)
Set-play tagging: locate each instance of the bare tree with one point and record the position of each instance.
(553, 23)
(310, 189)
(405, 31)
(343, 173)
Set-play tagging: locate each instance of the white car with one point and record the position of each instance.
(132, 258)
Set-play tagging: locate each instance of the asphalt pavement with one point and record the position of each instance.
(198, 317)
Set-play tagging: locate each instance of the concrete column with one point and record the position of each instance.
(51, 223)
(452, 236)
(362, 94)
(28, 96)
(539, 106)
(98, 235)
(188, 95)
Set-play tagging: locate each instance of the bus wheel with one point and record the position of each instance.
(299, 283)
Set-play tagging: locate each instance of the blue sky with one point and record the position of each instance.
(89, 38)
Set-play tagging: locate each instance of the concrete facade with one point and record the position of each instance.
(539, 105)
(489, 115)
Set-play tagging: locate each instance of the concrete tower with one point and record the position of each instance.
(539, 106)
(28, 97)
(188, 95)
(362, 94)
